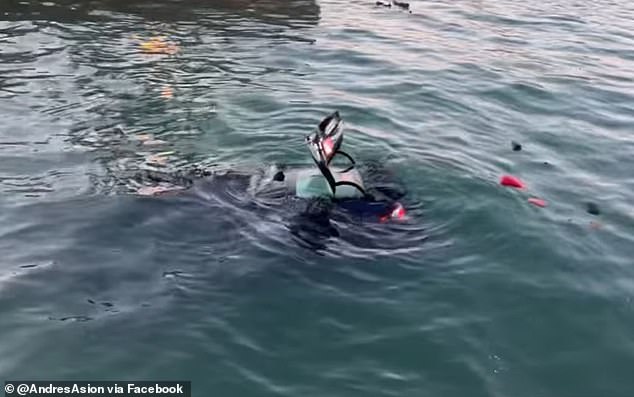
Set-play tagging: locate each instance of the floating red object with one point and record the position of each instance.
(537, 201)
(509, 180)
(398, 212)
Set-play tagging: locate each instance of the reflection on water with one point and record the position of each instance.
(288, 12)
(110, 73)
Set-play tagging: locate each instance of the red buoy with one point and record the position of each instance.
(509, 180)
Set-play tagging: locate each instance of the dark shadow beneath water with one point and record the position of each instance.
(290, 12)
(111, 255)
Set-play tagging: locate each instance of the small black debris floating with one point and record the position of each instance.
(516, 146)
(400, 4)
(593, 208)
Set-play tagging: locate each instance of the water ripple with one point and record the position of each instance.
(476, 287)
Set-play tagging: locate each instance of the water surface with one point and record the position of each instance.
(479, 294)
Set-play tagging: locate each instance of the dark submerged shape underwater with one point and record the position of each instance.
(342, 187)
(311, 196)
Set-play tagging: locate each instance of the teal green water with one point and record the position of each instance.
(480, 294)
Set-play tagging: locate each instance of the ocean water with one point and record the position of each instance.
(477, 293)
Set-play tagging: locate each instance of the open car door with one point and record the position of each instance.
(324, 145)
